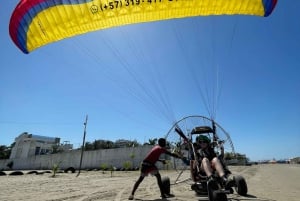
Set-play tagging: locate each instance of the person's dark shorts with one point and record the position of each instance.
(148, 168)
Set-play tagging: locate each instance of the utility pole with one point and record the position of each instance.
(83, 143)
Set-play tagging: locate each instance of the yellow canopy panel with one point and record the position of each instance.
(35, 23)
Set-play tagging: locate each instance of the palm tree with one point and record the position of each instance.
(151, 141)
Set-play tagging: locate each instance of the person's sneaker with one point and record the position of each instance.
(163, 196)
(211, 179)
(169, 195)
(224, 180)
(130, 197)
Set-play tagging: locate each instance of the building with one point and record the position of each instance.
(295, 160)
(27, 145)
(121, 143)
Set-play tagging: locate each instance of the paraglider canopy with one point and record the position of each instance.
(35, 23)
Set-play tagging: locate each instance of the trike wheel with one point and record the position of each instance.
(241, 185)
(212, 186)
(166, 184)
(218, 196)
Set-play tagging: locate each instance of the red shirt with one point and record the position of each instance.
(154, 154)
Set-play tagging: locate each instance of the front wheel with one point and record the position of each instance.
(218, 196)
(212, 186)
(241, 185)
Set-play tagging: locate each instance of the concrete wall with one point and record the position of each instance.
(91, 159)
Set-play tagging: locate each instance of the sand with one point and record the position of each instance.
(268, 182)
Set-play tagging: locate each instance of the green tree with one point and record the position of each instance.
(99, 144)
(55, 149)
(229, 156)
(133, 143)
(5, 151)
(88, 146)
(238, 156)
(151, 141)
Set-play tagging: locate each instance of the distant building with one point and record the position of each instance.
(295, 160)
(27, 145)
(121, 143)
(65, 146)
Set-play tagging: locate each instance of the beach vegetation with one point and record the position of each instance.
(127, 165)
(132, 156)
(55, 168)
(111, 169)
(103, 167)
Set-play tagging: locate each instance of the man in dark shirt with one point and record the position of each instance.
(208, 159)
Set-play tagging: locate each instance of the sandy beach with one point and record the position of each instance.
(268, 182)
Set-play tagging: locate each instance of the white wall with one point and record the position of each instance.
(91, 159)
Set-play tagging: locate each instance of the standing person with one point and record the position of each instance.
(148, 166)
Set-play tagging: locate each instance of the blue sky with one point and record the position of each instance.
(134, 81)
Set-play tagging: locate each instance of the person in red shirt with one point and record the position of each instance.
(149, 167)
